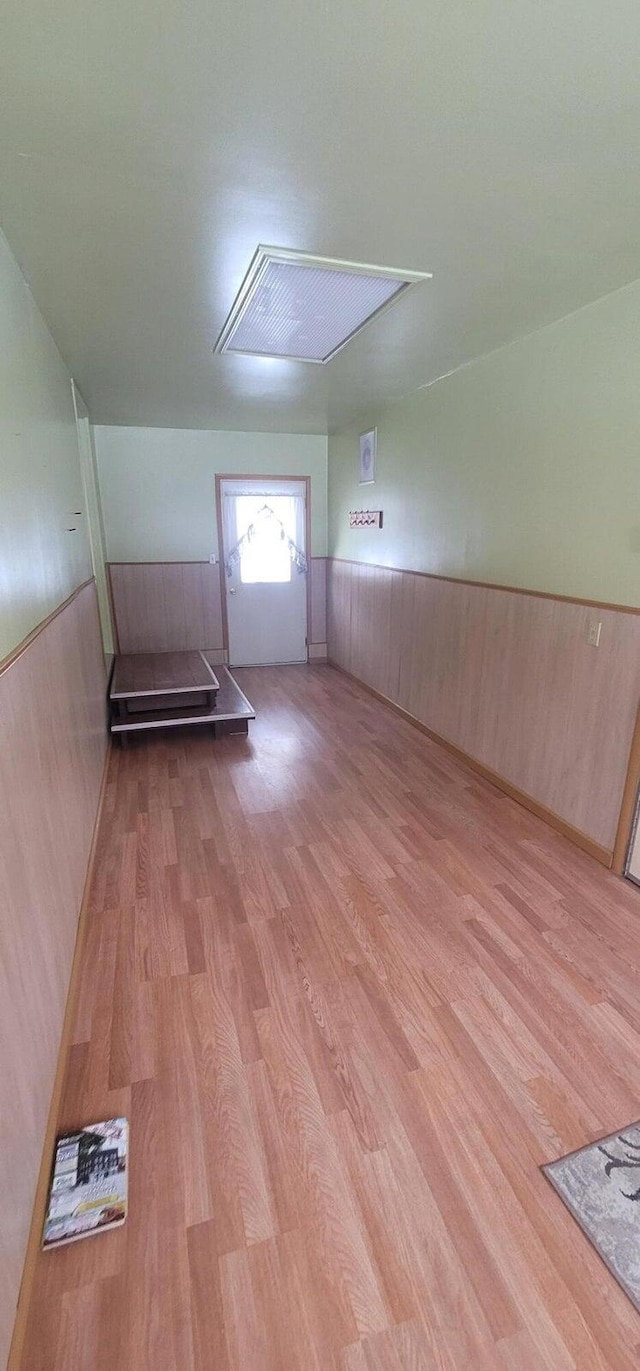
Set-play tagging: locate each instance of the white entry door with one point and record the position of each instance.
(264, 570)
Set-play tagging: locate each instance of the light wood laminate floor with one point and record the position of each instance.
(350, 998)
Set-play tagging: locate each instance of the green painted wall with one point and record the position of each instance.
(95, 525)
(157, 486)
(522, 468)
(41, 563)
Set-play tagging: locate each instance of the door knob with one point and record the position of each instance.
(232, 590)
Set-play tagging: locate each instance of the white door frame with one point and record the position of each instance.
(259, 476)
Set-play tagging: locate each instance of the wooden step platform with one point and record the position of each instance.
(172, 689)
(143, 675)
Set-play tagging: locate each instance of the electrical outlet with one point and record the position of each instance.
(212, 559)
(593, 633)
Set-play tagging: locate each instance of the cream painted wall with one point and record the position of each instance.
(40, 483)
(157, 486)
(522, 468)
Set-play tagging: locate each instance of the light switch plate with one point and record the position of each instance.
(593, 633)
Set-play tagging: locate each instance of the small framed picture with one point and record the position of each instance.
(368, 457)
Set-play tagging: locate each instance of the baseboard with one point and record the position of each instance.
(42, 1184)
(575, 835)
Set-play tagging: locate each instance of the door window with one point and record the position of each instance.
(265, 529)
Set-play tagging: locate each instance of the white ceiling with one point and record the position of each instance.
(147, 148)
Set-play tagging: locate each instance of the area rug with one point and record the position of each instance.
(600, 1185)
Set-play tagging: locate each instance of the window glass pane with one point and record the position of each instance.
(270, 522)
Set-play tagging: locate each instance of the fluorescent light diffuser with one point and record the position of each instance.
(307, 308)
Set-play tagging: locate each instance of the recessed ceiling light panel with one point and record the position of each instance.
(307, 308)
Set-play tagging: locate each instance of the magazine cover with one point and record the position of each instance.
(89, 1185)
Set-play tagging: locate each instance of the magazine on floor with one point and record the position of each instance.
(88, 1191)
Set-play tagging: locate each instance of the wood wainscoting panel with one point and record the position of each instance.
(166, 606)
(507, 677)
(52, 748)
(177, 606)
